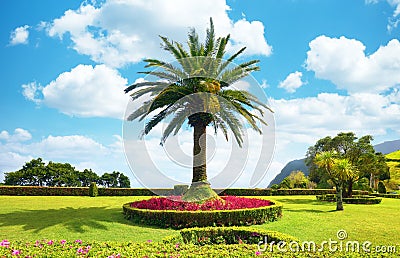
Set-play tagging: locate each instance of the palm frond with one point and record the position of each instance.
(142, 84)
(210, 39)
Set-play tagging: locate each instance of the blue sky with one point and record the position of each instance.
(326, 67)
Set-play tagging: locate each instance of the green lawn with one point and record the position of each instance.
(311, 220)
(31, 218)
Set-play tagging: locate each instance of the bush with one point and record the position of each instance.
(93, 190)
(186, 219)
(395, 196)
(180, 189)
(232, 235)
(79, 191)
(43, 191)
(381, 188)
(356, 199)
(84, 191)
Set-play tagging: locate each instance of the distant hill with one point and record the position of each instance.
(293, 165)
(385, 148)
(388, 147)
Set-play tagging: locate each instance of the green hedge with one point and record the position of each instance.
(79, 191)
(395, 196)
(44, 191)
(356, 199)
(186, 219)
(232, 235)
(84, 191)
(245, 192)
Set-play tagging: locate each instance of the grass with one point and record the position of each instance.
(311, 220)
(30, 218)
(51, 217)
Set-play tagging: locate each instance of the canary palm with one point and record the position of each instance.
(197, 90)
(338, 169)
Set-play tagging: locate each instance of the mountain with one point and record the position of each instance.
(293, 165)
(385, 148)
(388, 147)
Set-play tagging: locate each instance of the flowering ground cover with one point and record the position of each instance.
(149, 248)
(175, 203)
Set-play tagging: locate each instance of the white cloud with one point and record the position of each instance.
(344, 62)
(84, 91)
(20, 35)
(309, 119)
(292, 82)
(393, 21)
(78, 150)
(124, 31)
(19, 135)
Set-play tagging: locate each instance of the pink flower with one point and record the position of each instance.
(80, 250)
(149, 241)
(50, 242)
(63, 242)
(258, 253)
(177, 246)
(78, 241)
(16, 252)
(5, 243)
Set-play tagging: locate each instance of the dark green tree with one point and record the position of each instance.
(358, 151)
(32, 173)
(199, 82)
(87, 177)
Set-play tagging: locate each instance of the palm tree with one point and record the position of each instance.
(338, 170)
(196, 90)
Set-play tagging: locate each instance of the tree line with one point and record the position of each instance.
(345, 162)
(37, 173)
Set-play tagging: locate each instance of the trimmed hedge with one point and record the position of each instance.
(79, 191)
(44, 191)
(84, 191)
(395, 196)
(232, 235)
(186, 219)
(356, 199)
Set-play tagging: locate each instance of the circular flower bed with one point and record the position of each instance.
(227, 211)
(225, 203)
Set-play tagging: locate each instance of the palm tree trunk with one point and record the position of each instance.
(199, 153)
(339, 197)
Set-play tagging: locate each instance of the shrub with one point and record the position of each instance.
(84, 191)
(93, 190)
(381, 188)
(356, 199)
(232, 235)
(180, 189)
(186, 219)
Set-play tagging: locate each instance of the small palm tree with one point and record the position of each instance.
(196, 90)
(338, 170)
